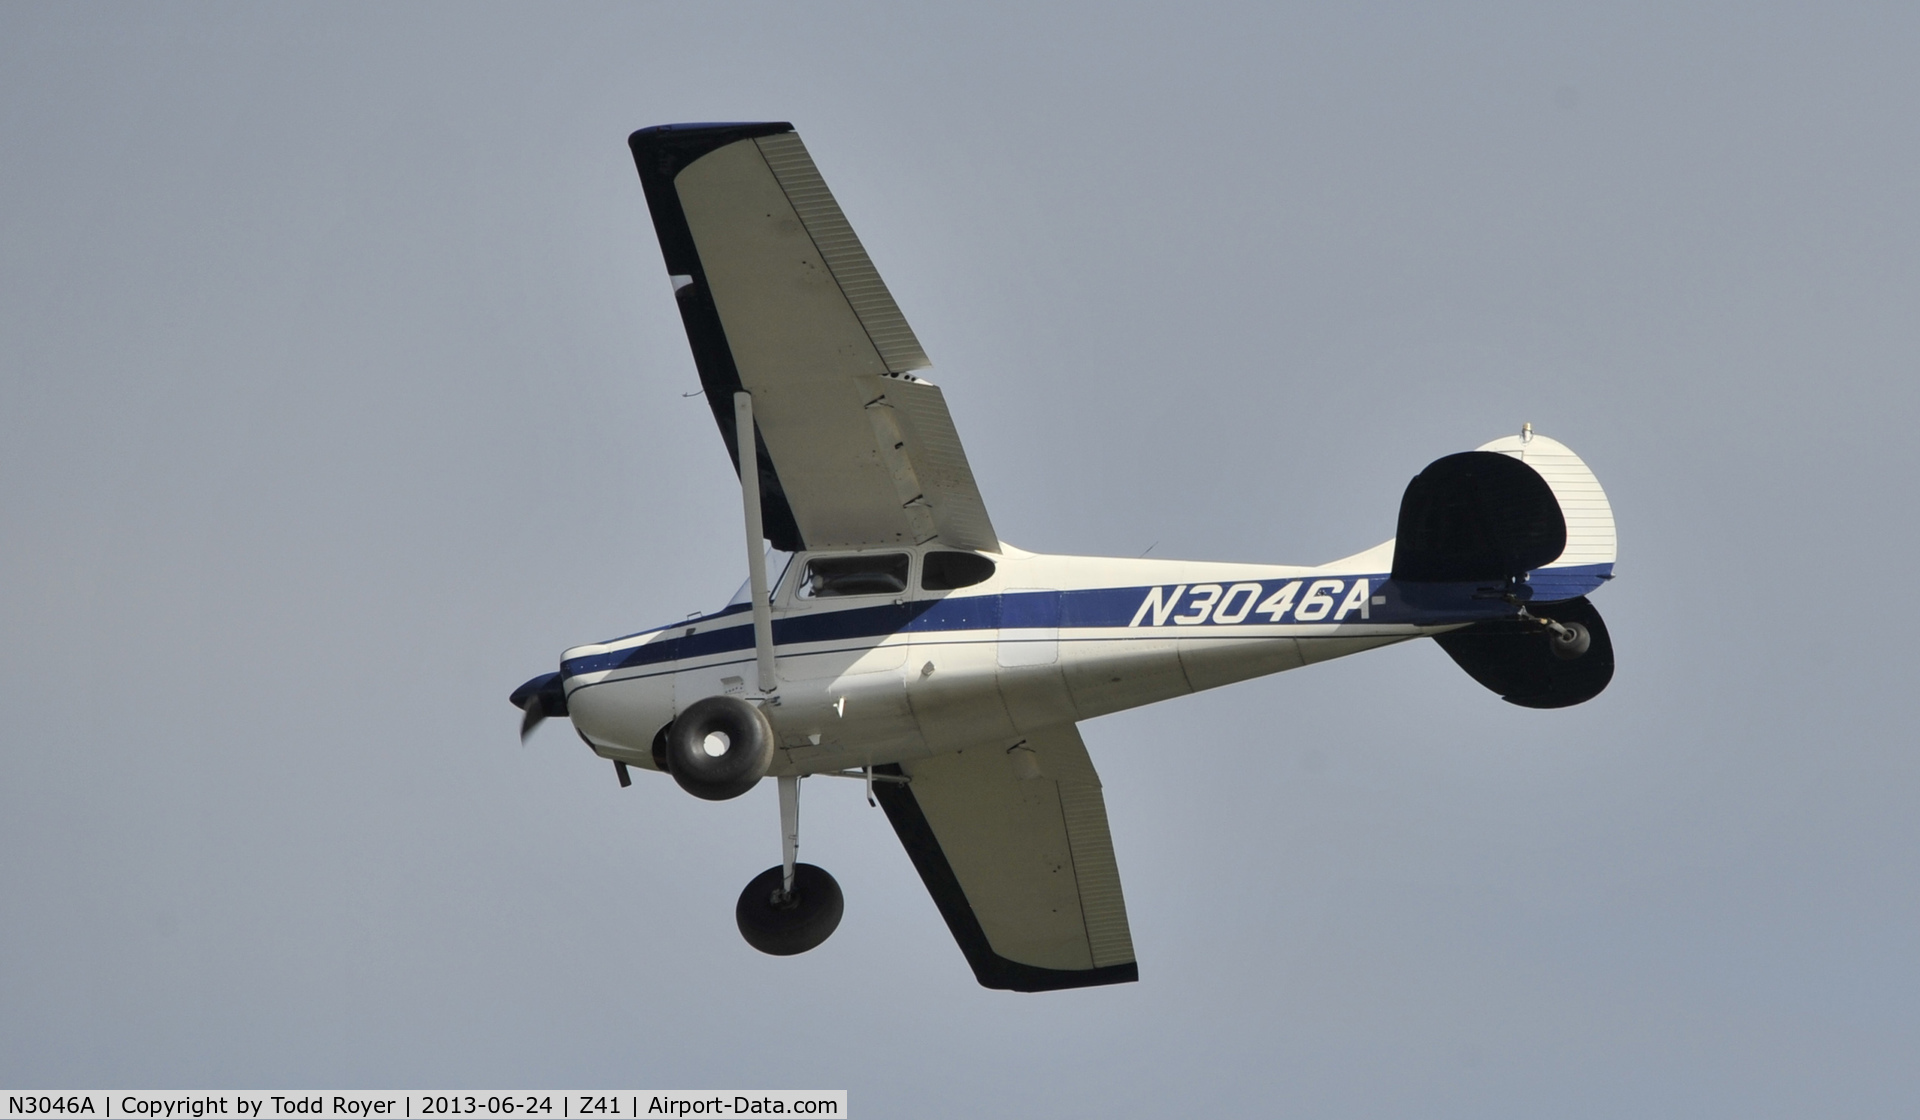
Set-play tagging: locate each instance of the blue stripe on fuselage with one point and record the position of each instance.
(1115, 608)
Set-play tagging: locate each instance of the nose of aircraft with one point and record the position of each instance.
(539, 698)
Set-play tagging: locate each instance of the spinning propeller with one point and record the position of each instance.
(539, 698)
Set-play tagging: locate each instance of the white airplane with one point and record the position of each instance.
(888, 634)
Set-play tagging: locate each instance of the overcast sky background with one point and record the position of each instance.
(342, 389)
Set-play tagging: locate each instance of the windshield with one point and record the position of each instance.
(777, 562)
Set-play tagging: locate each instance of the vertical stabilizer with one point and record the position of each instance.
(1590, 535)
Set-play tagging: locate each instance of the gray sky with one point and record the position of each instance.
(342, 390)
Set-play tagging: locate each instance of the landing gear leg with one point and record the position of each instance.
(1569, 639)
(789, 830)
(793, 907)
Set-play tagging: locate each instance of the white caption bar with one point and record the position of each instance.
(543, 1104)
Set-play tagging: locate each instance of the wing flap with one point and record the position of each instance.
(1014, 847)
(942, 479)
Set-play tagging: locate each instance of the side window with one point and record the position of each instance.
(950, 571)
(829, 576)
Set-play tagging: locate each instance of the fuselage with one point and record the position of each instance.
(880, 659)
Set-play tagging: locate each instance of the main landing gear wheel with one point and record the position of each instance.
(783, 923)
(719, 747)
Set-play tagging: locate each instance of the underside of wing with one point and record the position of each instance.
(1013, 845)
(780, 300)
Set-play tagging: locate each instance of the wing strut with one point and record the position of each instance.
(756, 544)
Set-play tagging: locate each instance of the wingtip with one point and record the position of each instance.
(721, 130)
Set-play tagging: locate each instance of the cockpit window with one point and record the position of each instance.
(881, 574)
(949, 571)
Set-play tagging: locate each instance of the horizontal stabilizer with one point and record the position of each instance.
(1516, 659)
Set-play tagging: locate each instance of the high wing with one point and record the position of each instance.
(1013, 845)
(779, 299)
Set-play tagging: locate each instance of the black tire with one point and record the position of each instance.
(782, 927)
(744, 758)
(659, 749)
(1571, 644)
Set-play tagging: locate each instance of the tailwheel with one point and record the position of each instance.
(783, 921)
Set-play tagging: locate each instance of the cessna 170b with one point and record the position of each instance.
(889, 634)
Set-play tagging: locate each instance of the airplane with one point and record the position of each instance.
(886, 633)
